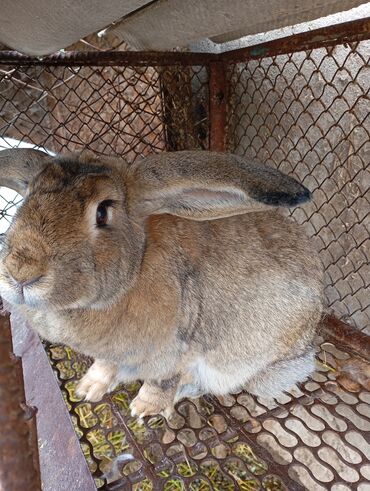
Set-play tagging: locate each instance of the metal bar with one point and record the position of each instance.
(345, 336)
(217, 106)
(357, 30)
(62, 463)
(108, 58)
(347, 32)
(19, 469)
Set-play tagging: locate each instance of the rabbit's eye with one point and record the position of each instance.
(102, 213)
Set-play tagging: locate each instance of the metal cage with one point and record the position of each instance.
(300, 104)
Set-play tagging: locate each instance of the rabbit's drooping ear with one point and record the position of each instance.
(19, 166)
(208, 185)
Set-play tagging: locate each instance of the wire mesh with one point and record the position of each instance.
(120, 111)
(307, 113)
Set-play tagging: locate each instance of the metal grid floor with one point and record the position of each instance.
(316, 437)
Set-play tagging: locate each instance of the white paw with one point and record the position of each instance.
(91, 390)
(141, 407)
(98, 380)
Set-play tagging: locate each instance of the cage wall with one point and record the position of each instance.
(128, 111)
(307, 113)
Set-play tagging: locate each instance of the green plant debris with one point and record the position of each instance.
(80, 368)
(219, 480)
(105, 415)
(187, 469)
(245, 481)
(133, 387)
(65, 398)
(57, 352)
(101, 446)
(65, 370)
(87, 417)
(145, 485)
(164, 473)
(99, 483)
(273, 483)
(90, 462)
(174, 485)
(76, 427)
(254, 464)
(200, 485)
(68, 352)
(121, 400)
(118, 440)
(325, 365)
(140, 431)
(156, 422)
(71, 389)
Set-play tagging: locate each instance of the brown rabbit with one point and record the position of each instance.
(177, 270)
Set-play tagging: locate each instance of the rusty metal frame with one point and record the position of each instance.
(217, 106)
(346, 337)
(346, 32)
(56, 435)
(19, 469)
(109, 58)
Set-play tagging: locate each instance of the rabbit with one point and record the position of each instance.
(178, 270)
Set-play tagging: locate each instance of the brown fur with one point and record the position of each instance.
(176, 287)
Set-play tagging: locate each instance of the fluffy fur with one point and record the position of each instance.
(196, 284)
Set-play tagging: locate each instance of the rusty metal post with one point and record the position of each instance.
(347, 32)
(19, 469)
(345, 336)
(217, 106)
(184, 115)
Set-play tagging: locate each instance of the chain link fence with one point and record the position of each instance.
(307, 113)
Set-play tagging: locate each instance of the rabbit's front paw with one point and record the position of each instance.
(150, 401)
(99, 379)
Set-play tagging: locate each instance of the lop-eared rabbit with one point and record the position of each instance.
(178, 270)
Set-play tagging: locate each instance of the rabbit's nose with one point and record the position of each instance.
(24, 271)
(23, 283)
(30, 282)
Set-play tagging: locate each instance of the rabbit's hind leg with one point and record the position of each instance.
(282, 375)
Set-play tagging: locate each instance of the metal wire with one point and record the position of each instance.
(111, 110)
(307, 113)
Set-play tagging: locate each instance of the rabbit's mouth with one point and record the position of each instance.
(18, 296)
(41, 294)
(31, 294)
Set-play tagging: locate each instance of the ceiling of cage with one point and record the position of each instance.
(46, 26)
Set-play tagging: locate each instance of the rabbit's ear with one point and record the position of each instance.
(207, 185)
(19, 166)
